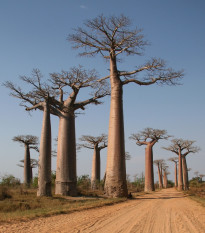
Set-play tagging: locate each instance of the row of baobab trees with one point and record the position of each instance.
(146, 137)
(112, 38)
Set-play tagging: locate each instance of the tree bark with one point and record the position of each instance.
(160, 177)
(44, 168)
(180, 180)
(176, 184)
(95, 178)
(165, 180)
(184, 172)
(66, 156)
(27, 164)
(149, 180)
(115, 183)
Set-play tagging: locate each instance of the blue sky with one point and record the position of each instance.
(33, 35)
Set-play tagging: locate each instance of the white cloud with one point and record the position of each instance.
(83, 6)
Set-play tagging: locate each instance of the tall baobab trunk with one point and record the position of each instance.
(115, 183)
(44, 168)
(180, 180)
(66, 156)
(149, 180)
(165, 180)
(27, 164)
(175, 183)
(31, 174)
(160, 176)
(95, 168)
(185, 173)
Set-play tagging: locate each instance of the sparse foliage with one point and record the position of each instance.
(112, 37)
(96, 144)
(182, 148)
(149, 137)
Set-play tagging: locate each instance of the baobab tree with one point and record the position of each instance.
(28, 141)
(39, 97)
(75, 80)
(175, 161)
(50, 99)
(165, 172)
(96, 144)
(149, 137)
(201, 177)
(112, 37)
(182, 148)
(159, 163)
(33, 164)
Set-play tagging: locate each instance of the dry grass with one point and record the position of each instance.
(23, 204)
(197, 193)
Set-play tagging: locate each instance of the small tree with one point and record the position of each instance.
(112, 37)
(201, 176)
(165, 180)
(28, 141)
(159, 163)
(96, 144)
(33, 164)
(182, 148)
(175, 161)
(149, 137)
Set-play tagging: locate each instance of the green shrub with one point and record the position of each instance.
(9, 180)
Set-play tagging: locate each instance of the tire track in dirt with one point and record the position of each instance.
(166, 211)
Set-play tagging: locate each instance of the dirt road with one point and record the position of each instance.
(167, 211)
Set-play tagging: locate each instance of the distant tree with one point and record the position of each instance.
(165, 180)
(196, 173)
(182, 148)
(127, 156)
(96, 144)
(159, 163)
(201, 176)
(33, 164)
(175, 160)
(112, 37)
(28, 141)
(149, 137)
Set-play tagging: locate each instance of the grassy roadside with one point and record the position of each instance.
(25, 205)
(197, 193)
(198, 199)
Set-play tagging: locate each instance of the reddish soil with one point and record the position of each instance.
(166, 211)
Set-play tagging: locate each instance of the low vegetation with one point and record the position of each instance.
(20, 203)
(197, 190)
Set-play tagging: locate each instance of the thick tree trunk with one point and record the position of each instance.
(31, 169)
(176, 184)
(160, 177)
(149, 180)
(185, 176)
(165, 180)
(180, 180)
(115, 183)
(27, 164)
(95, 178)
(44, 168)
(66, 156)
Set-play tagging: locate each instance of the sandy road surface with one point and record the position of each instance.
(167, 211)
